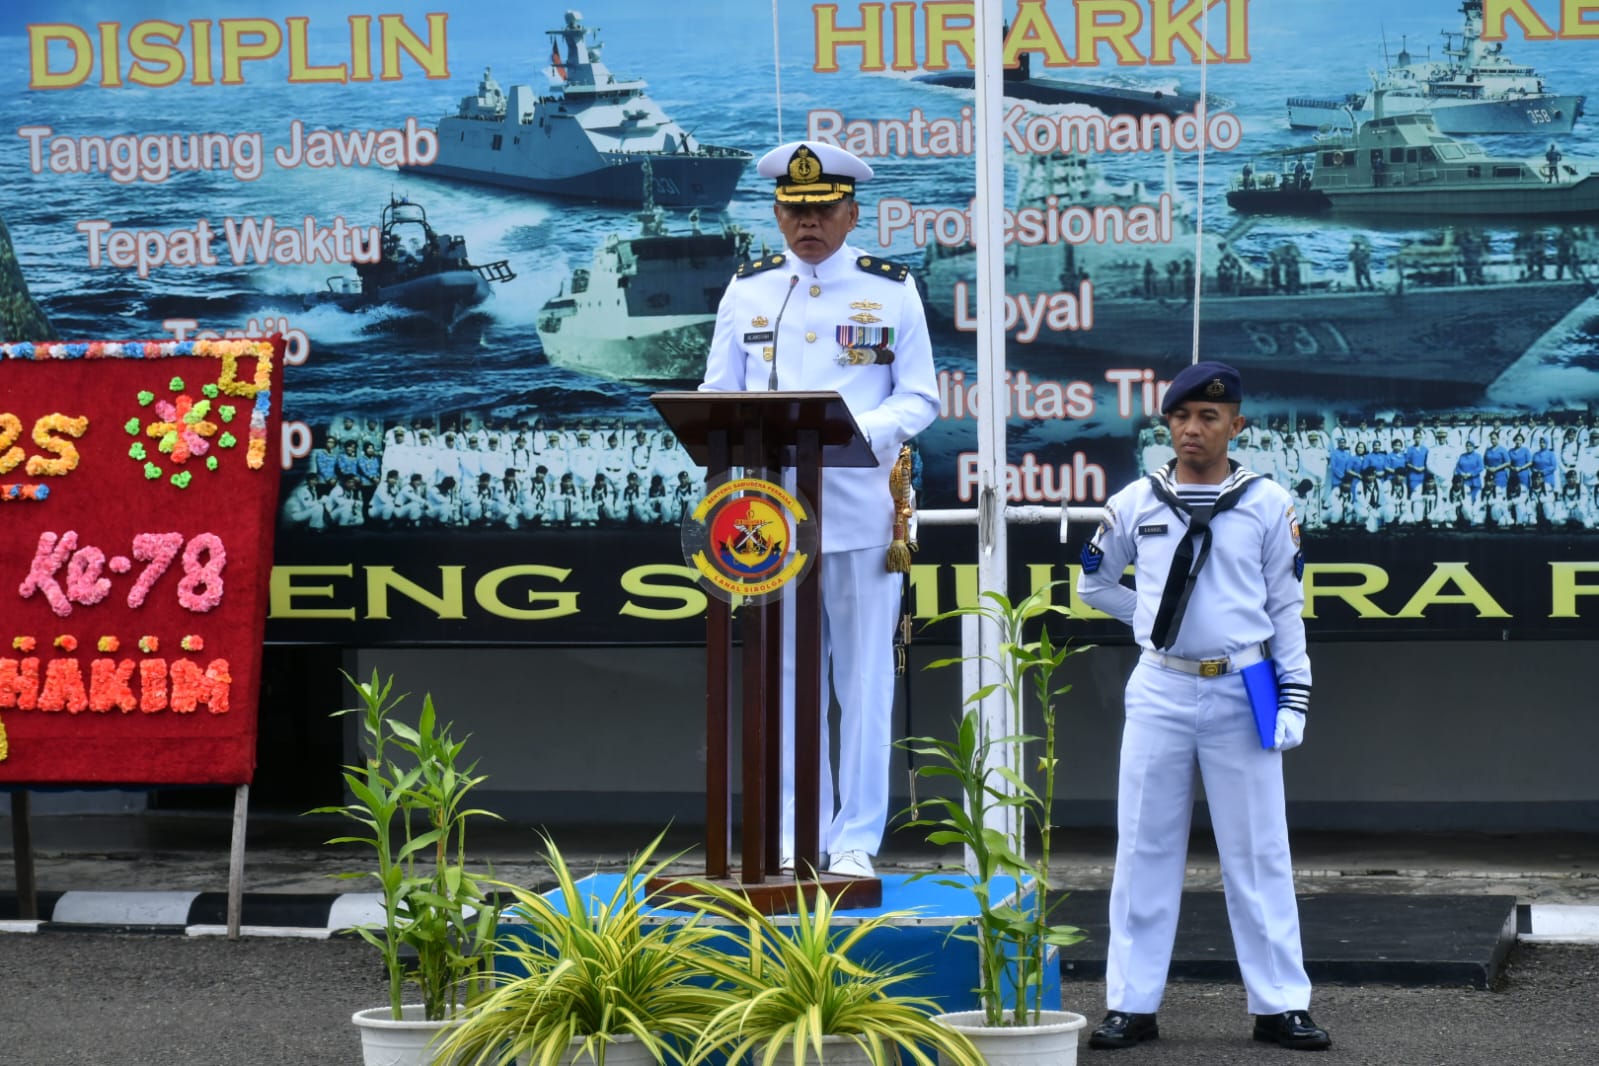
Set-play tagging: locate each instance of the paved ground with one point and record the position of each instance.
(170, 1000)
(86, 999)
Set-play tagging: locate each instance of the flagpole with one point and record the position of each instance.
(987, 228)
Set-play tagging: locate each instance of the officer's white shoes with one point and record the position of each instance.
(853, 863)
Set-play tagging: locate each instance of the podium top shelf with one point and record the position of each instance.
(696, 416)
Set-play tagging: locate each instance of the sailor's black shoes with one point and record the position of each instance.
(1121, 1029)
(1292, 1029)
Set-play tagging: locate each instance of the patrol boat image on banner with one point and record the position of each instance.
(420, 269)
(588, 138)
(1413, 329)
(1473, 89)
(645, 307)
(1401, 167)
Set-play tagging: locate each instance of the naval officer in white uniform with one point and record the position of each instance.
(1231, 538)
(821, 315)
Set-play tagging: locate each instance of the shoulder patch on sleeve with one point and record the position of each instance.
(883, 268)
(755, 266)
(1093, 555)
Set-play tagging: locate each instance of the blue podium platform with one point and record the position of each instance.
(944, 967)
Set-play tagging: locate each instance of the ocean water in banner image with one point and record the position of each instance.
(1469, 277)
(381, 356)
(711, 72)
(1459, 310)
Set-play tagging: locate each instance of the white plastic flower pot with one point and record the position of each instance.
(410, 1041)
(1053, 1042)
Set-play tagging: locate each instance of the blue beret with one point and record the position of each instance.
(1207, 382)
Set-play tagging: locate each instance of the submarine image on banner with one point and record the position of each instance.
(1019, 83)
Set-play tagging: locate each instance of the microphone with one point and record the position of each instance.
(771, 380)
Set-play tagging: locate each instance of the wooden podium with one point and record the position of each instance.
(771, 431)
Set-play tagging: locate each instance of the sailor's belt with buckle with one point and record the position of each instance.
(1225, 664)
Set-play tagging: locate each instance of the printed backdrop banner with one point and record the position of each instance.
(137, 486)
(489, 231)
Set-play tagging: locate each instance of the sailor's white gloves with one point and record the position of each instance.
(1290, 729)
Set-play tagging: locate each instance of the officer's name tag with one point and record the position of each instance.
(1152, 531)
(758, 338)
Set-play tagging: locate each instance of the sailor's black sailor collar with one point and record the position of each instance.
(1164, 482)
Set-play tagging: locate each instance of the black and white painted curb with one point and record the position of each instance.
(1557, 923)
(318, 916)
(281, 914)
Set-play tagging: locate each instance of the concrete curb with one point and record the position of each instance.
(196, 913)
(314, 916)
(1557, 923)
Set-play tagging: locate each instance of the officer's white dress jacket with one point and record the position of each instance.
(891, 402)
(1248, 591)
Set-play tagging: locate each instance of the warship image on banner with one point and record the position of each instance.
(1112, 99)
(1415, 327)
(1402, 167)
(588, 138)
(1474, 89)
(645, 307)
(420, 269)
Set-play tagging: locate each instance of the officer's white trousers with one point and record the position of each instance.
(860, 605)
(1176, 724)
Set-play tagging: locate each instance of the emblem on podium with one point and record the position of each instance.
(749, 537)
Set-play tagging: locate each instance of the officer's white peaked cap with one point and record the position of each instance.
(811, 172)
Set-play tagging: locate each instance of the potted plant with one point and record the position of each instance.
(992, 814)
(797, 995)
(438, 925)
(592, 974)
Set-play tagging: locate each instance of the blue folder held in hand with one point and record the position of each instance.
(1260, 681)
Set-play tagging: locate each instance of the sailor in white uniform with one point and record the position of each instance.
(304, 506)
(443, 501)
(821, 315)
(1158, 452)
(344, 503)
(686, 493)
(393, 503)
(1231, 538)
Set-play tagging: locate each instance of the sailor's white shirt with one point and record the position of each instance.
(891, 402)
(1248, 591)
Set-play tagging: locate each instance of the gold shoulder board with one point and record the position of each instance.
(883, 268)
(755, 266)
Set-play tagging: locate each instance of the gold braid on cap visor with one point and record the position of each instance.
(820, 192)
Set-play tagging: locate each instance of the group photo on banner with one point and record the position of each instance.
(482, 236)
